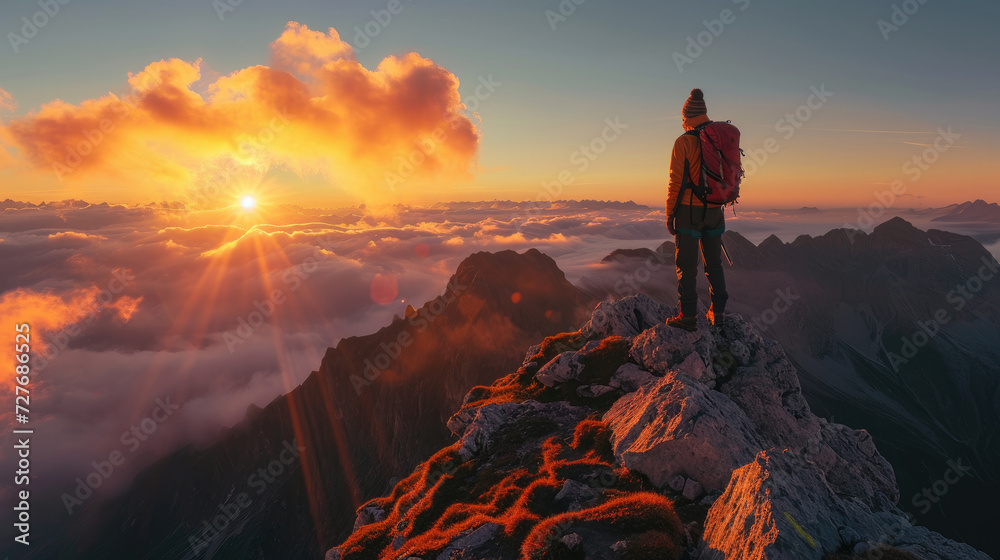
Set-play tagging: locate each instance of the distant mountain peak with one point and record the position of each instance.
(895, 224)
(975, 211)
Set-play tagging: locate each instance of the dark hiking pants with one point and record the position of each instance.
(697, 225)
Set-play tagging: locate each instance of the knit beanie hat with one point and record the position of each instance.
(695, 105)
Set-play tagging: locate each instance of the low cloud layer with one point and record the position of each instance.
(220, 310)
(215, 311)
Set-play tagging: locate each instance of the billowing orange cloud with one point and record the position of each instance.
(314, 110)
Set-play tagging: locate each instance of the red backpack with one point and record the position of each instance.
(721, 170)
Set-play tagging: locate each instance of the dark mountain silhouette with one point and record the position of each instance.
(975, 211)
(897, 331)
(358, 427)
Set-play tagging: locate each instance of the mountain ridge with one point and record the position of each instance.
(690, 410)
(897, 331)
(972, 211)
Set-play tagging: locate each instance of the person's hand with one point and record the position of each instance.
(670, 226)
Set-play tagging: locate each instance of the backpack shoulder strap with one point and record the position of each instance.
(686, 182)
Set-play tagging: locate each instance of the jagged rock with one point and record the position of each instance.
(677, 426)
(368, 514)
(694, 367)
(629, 377)
(767, 506)
(461, 420)
(692, 489)
(739, 351)
(470, 541)
(928, 545)
(593, 391)
(532, 350)
(664, 348)
(572, 540)
(333, 554)
(576, 493)
(477, 437)
(564, 367)
(677, 482)
(626, 317)
(777, 507)
(858, 468)
(771, 397)
(848, 535)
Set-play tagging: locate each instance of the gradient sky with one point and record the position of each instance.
(558, 87)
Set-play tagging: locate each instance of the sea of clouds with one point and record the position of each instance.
(216, 311)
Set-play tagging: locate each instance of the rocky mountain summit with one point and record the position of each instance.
(630, 439)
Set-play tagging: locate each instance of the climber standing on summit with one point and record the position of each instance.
(694, 222)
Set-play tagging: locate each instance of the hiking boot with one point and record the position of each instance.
(717, 320)
(681, 322)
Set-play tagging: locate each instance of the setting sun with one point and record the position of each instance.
(248, 202)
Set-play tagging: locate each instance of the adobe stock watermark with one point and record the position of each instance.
(900, 15)
(581, 159)
(222, 7)
(939, 488)
(381, 19)
(959, 297)
(714, 28)
(374, 367)
(31, 26)
(132, 439)
(914, 168)
(407, 166)
(787, 126)
(229, 510)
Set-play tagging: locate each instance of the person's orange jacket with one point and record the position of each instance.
(687, 147)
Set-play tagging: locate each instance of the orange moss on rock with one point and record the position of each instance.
(593, 437)
(515, 387)
(601, 363)
(633, 515)
(515, 486)
(651, 545)
(445, 497)
(554, 345)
